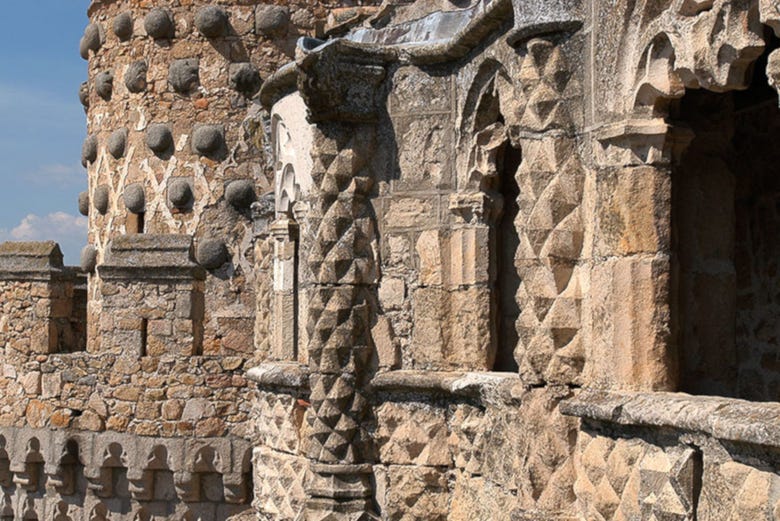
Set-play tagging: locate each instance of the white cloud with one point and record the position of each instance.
(70, 231)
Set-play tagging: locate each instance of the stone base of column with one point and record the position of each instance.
(339, 493)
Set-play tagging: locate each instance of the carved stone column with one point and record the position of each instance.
(630, 345)
(341, 87)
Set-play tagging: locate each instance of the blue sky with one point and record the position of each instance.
(42, 123)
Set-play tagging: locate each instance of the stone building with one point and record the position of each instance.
(409, 260)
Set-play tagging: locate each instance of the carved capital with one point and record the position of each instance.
(340, 81)
(639, 142)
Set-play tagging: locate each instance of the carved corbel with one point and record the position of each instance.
(140, 475)
(640, 142)
(341, 81)
(140, 483)
(99, 513)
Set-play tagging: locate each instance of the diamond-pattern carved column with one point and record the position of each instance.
(342, 89)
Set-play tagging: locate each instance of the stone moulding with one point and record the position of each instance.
(725, 419)
(292, 375)
(186, 459)
(469, 384)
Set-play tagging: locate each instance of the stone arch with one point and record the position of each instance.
(689, 44)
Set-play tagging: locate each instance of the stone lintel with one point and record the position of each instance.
(473, 384)
(727, 419)
(280, 374)
(146, 256)
(32, 261)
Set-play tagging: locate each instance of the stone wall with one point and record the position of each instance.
(498, 197)
(43, 306)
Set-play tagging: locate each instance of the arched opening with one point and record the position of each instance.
(725, 300)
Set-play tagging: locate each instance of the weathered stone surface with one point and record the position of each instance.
(89, 150)
(92, 40)
(135, 76)
(84, 94)
(84, 203)
(117, 142)
(158, 24)
(100, 199)
(271, 20)
(240, 194)
(88, 259)
(212, 253)
(212, 21)
(134, 198)
(123, 26)
(159, 138)
(207, 139)
(104, 84)
(183, 75)
(180, 192)
(245, 78)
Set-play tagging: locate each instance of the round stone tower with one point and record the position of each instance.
(170, 149)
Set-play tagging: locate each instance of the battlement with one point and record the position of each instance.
(44, 305)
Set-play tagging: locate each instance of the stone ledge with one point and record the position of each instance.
(32, 261)
(726, 419)
(147, 256)
(280, 374)
(454, 383)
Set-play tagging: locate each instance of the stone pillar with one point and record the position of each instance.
(262, 215)
(152, 296)
(341, 87)
(37, 299)
(629, 295)
(285, 238)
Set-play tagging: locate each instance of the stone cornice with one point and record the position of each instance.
(722, 418)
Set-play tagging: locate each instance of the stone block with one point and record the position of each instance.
(416, 494)
(629, 329)
(633, 211)
(425, 151)
(431, 255)
(412, 434)
(452, 329)
(392, 293)
(411, 212)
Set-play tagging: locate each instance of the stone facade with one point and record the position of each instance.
(408, 260)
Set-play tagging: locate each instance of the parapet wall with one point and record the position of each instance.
(44, 309)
